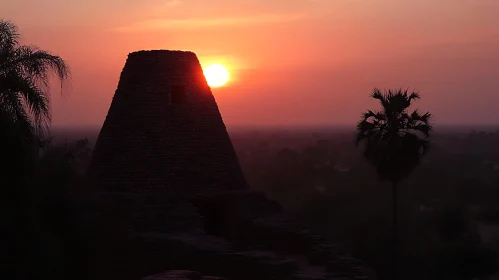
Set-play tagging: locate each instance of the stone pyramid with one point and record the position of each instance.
(164, 130)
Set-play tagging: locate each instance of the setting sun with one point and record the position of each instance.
(216, 75)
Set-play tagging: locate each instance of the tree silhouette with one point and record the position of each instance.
(25, 73)
(394, 142)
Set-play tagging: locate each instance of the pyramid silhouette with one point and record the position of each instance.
(164, 131)
(174, 186)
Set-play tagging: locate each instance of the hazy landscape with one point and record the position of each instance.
(245, 140)
(449, 217)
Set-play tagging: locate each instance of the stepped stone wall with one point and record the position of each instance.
(164, 130)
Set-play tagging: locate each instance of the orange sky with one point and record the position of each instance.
(293, 62)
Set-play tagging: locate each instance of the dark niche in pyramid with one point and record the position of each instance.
(166, 166)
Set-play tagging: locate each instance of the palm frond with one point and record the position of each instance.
(370, 124)
(15, 119)
(368, 114)
(413, 96)
(426, 117)
(417, 116)
(36, 100)
(419, 123)
(38, 64)
(382, 98)
(9, 35)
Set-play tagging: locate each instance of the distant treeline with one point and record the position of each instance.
(446, 205)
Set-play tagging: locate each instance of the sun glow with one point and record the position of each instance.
(216, 75)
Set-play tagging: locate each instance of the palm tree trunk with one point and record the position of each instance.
(394, 231)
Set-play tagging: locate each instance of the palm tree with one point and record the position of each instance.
(25, 73)
(394, 142)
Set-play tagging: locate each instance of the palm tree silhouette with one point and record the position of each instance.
(394, 142)
(25, 73)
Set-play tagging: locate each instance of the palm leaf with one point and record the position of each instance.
(36, 100)
(9, 35)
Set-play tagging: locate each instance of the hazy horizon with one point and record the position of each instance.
(315, 128)
(294, 62)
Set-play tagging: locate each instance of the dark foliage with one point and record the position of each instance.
(442, 228)
(394, 138)
(61, 228)
(25, 73)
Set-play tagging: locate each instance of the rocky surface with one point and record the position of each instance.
(169, 173)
